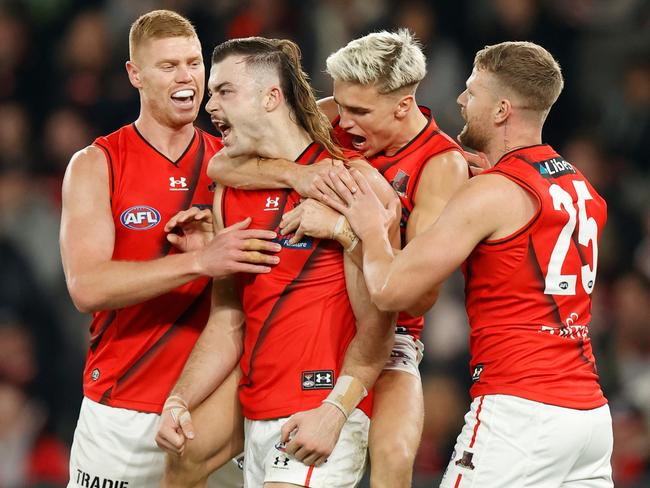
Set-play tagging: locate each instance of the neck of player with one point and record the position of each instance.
(170, 141)
(409, 127)
(282, 138)
(513, 135)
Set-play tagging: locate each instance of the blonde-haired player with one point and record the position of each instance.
(374, 111)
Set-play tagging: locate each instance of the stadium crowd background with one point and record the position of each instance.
(63, 82)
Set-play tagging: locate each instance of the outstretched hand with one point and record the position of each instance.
(238, 249)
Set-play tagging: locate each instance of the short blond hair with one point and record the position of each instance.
(527, 69)
(158, 24)
(388, 60)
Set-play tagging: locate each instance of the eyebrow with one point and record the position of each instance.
(351, 107)
(221, 85)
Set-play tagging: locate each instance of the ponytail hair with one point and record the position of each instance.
(283, 56)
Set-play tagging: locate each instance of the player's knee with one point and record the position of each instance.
(394, 457)
(188, 470)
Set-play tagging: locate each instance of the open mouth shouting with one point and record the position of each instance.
(223, 127)
(358, 142)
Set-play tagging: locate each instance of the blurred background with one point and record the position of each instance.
(63, 82)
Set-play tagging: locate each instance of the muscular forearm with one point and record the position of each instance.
(251, 173)
(213, 358)
(370, 349)
(377, 259)
(117, 284)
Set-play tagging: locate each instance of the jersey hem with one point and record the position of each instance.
(539, 397)
(139, 406)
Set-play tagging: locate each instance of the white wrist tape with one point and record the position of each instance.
(338, 226)
(178, 409)
(354, 243)
(346, 395)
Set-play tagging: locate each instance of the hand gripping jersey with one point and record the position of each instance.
(528, 296)
(403, 170)
(299, 320)
(136, 353)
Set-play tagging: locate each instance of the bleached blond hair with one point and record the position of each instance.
(388, 60)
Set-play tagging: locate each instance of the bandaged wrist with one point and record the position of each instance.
(346, 395)
(178, 409)
(338, 226)
(175, 401)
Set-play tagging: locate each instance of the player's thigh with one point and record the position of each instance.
(397, 414)
(218, 426)
(593, 468)
(115, 447)
(512, 441)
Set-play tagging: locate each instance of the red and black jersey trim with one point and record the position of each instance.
(175, 163)
(110, 166)
(197, 167)
(183, 319)
(509, 153)
(537, 268)
(99, 333)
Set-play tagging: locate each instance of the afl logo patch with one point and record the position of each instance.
(140, 217)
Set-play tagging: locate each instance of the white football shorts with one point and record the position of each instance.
(509, 441)
(266, 461)
(116, 448)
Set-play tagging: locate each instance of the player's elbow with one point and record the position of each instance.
(83, 297)
(386, 301)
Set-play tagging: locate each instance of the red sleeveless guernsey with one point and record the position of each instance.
(403, 170)
(528, 296)
(136, 353)
(299, 320)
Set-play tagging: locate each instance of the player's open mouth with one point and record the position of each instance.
(184, 98)
(222, 127)
(358, 142)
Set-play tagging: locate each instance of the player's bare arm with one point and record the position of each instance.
(254, 173)
(316, 431)
(213, 358)
(96, 282)
(396, 282)
(442, 176)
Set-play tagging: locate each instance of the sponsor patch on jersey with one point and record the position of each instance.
(476, 375)
(95, 374)
(554, 167)
(304, 243)
(400, 183)
(318, 380)
(140, 217)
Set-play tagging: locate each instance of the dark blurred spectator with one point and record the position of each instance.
(30, 454)
(446, 71)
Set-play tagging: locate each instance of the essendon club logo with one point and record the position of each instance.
(318, 380)
(466, 460)
(400, 183)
